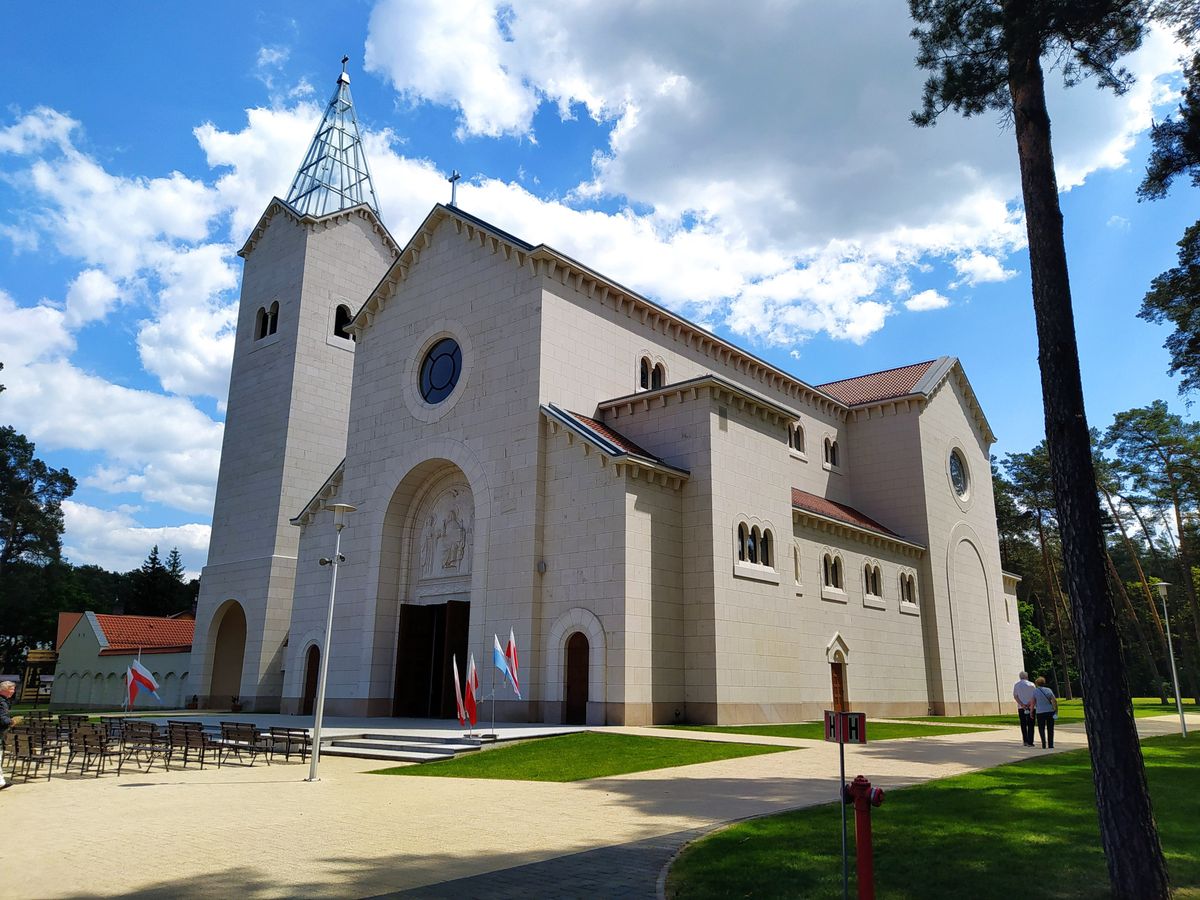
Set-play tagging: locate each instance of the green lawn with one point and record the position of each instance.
(1070, 712)
(576, 757)
(815, 731)
(1026, 829)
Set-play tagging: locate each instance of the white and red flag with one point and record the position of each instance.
(458, 697)
(510, 654)
(137, 676)
(472, 690)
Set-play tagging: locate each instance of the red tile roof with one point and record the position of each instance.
(152, 634)
(878, 385)
(837, 511)
(612, 436)
(66, 622)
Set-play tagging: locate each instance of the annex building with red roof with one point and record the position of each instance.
(674, 529)
(95, 649)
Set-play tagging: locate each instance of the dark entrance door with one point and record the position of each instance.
(311, 670)
(577, 680)
(837, 673)
(429, 636)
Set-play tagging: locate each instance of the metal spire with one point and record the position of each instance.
(334, 174)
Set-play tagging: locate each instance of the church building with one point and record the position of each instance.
(674, 529)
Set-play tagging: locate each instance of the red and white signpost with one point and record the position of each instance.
(844, 728)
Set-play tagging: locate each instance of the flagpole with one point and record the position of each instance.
(493, 699)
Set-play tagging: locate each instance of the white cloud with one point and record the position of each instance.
(161, 447)
(1118, 222)
(926, 300)
(979, 268)
(36, 129)
(29, 334)
(114, 540)
(91, 295)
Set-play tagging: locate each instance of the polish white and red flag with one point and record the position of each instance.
(458, 695)
(472, 690)
(510, 655)
(137, 676)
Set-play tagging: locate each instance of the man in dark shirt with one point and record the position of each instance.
(7, 689)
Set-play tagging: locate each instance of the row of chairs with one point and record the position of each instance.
(93, 747)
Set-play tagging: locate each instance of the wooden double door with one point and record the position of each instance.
(430, 635)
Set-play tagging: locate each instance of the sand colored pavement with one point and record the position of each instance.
(263, 831)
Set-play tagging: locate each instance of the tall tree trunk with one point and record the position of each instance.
(1128, 834)
(1185, 560)
(1052, 590)
(1138, 631)
(1137, 564)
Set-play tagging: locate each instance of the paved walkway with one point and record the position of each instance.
(264, 832)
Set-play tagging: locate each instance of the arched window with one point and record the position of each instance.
(837, 572)
(908, 588)
(741, 543)
(341, 318)
(872, 580)
(764, 549)
(658, 377)
(831, 452)
(273, 318)
(752, 546)
(796, 562)
(796, 437)
(827, 570)
(260, 324)
(644, 374)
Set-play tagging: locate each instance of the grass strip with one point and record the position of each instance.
(1026, 829)
(577, 757)
(815, 731)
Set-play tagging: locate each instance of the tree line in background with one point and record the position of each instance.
(1148, 489)
(36, 583)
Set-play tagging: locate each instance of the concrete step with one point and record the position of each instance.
(419, 738)
(381, 754)
(406, 748)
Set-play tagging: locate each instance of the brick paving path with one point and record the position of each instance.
(264, 832)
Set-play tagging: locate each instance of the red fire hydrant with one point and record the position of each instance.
(864, 797)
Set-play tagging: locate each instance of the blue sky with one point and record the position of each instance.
(758, 175)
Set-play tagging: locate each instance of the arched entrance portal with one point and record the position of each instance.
(435, 593)
(312, 668)
(575, 711)
(229, 650)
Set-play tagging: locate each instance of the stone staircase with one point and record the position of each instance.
(398, 747)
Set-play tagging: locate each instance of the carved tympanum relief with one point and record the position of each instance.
(446, 531)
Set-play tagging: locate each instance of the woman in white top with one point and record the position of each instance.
(1045, 713)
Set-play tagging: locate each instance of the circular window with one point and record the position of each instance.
(958, 474)
(440, 370)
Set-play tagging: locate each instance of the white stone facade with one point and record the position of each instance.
(551, 493)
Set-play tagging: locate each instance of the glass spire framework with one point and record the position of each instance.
(334, 174)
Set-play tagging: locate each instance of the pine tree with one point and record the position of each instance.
(987, 55)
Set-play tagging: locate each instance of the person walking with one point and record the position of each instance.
(1024, 692)
(1046, 705)
(7, 689)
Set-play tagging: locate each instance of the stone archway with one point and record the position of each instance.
(229, 652)
(435, 574)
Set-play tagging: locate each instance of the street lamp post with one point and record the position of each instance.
(339, 522)
(1161, 587)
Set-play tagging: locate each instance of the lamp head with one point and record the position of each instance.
(339, 513)
(1161, 587)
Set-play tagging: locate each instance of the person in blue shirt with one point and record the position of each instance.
(1047, 712)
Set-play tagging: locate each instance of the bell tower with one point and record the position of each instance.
(310, 262)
